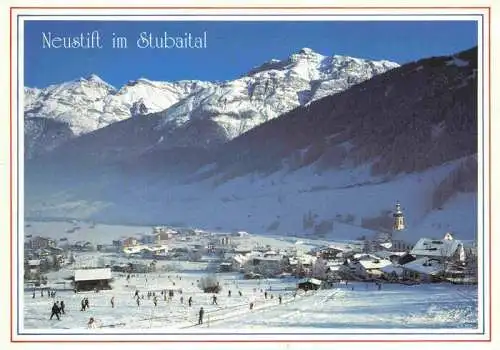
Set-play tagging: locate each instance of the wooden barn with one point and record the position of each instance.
(309, 284)
(92, 279)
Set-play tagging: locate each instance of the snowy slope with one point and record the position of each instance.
(339, 202)
(349, 308)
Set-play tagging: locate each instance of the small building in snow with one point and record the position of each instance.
(92, 279)
(424, 270)
(309, 284)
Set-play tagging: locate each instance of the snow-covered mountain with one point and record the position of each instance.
(333, 167)
(236, 106)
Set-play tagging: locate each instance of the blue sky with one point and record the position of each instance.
(233, 47)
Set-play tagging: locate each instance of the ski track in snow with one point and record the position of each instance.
(395, 306)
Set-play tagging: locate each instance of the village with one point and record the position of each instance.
(168, 263)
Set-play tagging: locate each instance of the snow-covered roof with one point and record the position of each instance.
(268, 258)
(364, 256)
(92, 274)
(33, 262)
(385, 254)
(435, 247)
(374, 264)
(425, 265)
(311, 280)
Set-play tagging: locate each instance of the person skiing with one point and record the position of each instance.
(83, 305)
(251, 306)
(87, 303)
(265, 294)
(239, 292)
(200, 318)
(229, 293)
(279, 298)
(190, 301)
(113, 302)
(62, 307)
(214, 300)
(182, 300)
(55, 311)
(155, 301)
(91, 323)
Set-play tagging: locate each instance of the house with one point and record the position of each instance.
(329, 253)
(238, 261)
(163, 237)
(130, 242)
(392, 272)
(424, 269)
(372, 267)
(149, 238)
(225, 267)
(92, 279)
(32, 268)
(266, 266)
(42, 243)
(449, 249)
(309, 284)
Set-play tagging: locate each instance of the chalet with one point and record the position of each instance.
(372, 267)
(309, 284)
(225, 267)
(130, 242)
(82, 246)
(329, 253)
(163, 237)
(449, 249)
(265, 265)
(150, 238)
(392, 272)
(238, 261)
(92, 279)
(42, 243)
(424, 270)
(32, 268)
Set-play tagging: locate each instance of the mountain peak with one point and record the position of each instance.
(306, 51)
(94, 78)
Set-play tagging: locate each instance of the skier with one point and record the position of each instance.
(182, 300)
(265, 295)
(239, 292)
(251, 306)
(113, 302)
(229, 293)
(33, 294)
(55, 311)
(279, 298)
(200, 318)
(155, 301)
(190, 301)
(136, 293)
(83, 305)
(62, 307)
(91, 323)
(87, 303)
(214, 300)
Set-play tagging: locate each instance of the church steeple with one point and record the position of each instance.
(399, 219)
